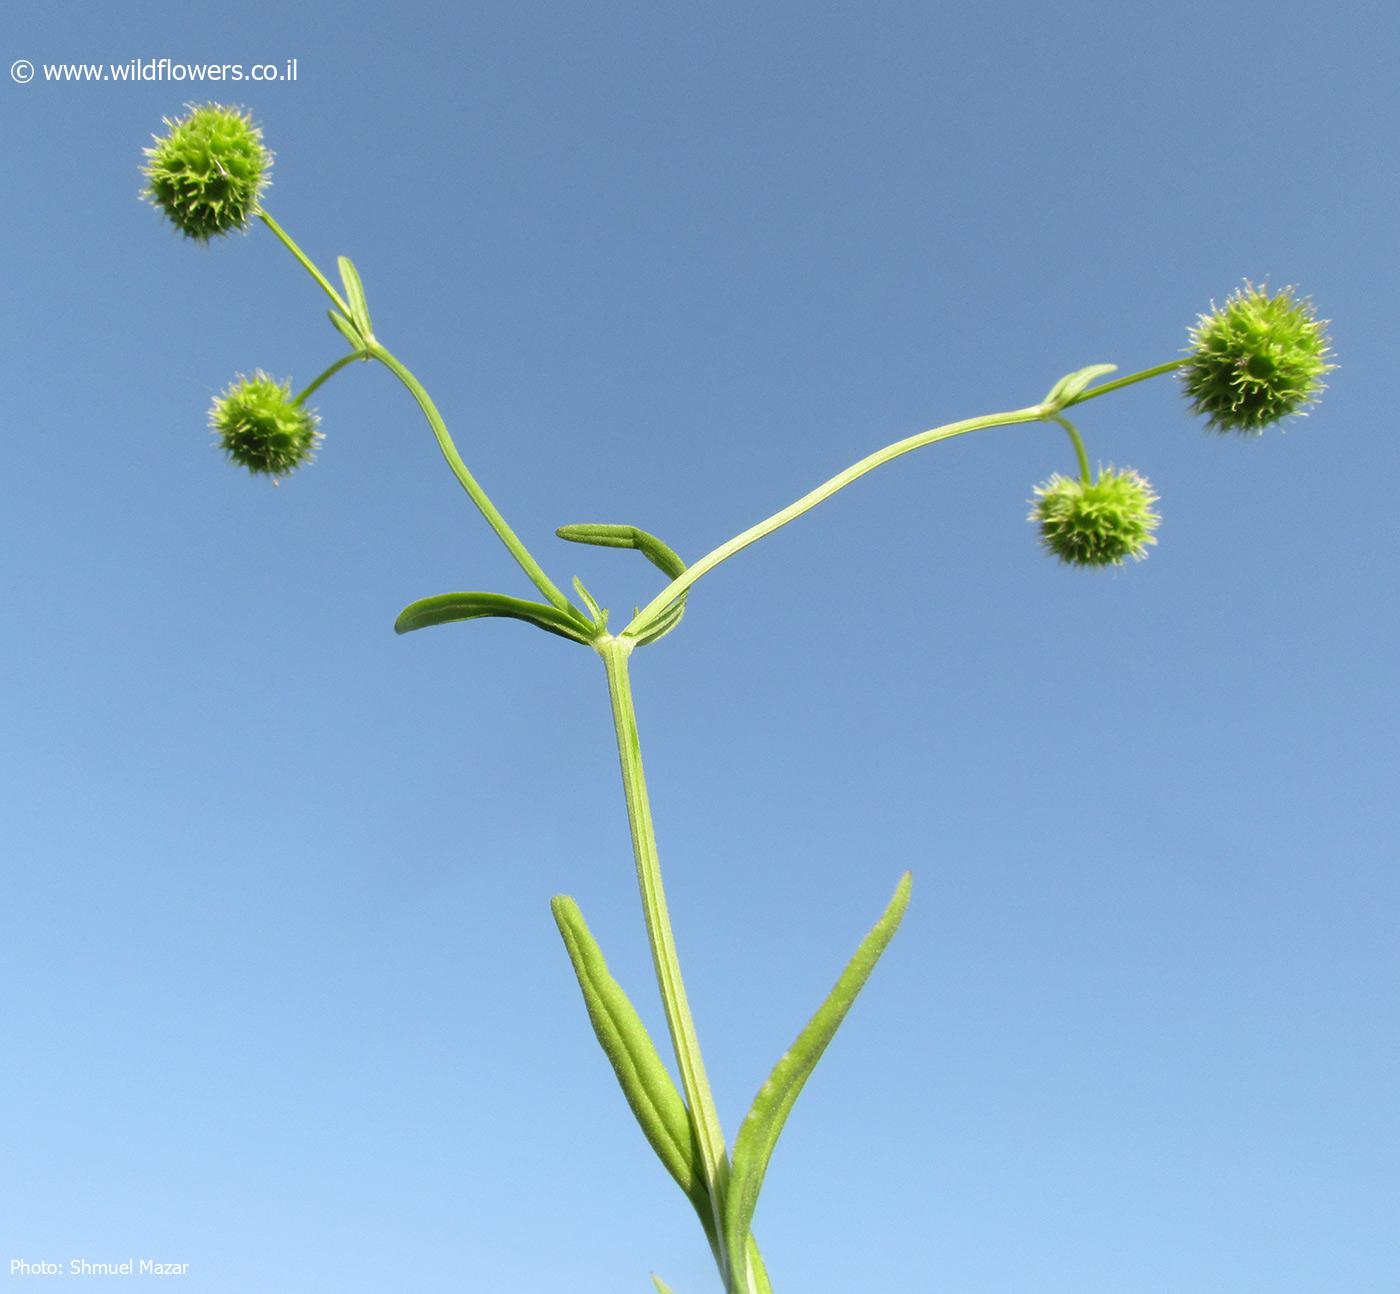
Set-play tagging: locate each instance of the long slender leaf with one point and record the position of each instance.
(346, 329)
(661, 1286)
(663, 623)
(644, 1080)
(759, 1133)
(600, 617)
(657, 553)
(355, 295)
(447, 607)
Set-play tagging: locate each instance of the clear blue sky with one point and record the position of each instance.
(282, 996)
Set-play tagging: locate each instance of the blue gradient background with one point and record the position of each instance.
(282, 996)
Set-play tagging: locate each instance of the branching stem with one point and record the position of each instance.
(468, 482)
(649, 614)
(373, 350)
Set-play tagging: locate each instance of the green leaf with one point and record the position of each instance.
(346, 329)
(447, 607)
(355, 295)
(764, 1122)
(1062, 394)
(605, 536)
(645, 1083)
(664, 623)
(660, 555)
(661, 1286)
(756, 1268)
(600, 617)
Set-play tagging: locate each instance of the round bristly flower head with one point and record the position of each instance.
(262, 428)
(1096, 523)
(1256, 359)
(209, 171)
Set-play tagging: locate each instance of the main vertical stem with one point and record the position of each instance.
(700, 1102)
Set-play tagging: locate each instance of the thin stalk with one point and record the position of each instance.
(330, 373)
(648, 615)
(1119, 383)
(306, 262)
(1084, 474)
(700, 1102)
(469, 483)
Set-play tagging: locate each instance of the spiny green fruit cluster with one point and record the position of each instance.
(1256, 359)
(261, 427)
(1096, 523)
(208, 173)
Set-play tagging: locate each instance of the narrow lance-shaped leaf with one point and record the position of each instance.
(1072, 384)
(447, 607)
(600, 617)
(661, 1286)
(654, 550)
(759, 1133)
(644, 1080)
(663, 623)
(346, 329)
(355, 295)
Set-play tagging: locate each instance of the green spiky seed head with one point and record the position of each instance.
(209, 172)
(1256, 359)
(262, 428)
(1098, 523)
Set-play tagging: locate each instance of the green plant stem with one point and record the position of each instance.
(330, 373)
(478, 496)
(1084, 474)
(469, 483)
(649, 614)
(306, 262)
(1119, 383)
(699, 1101)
